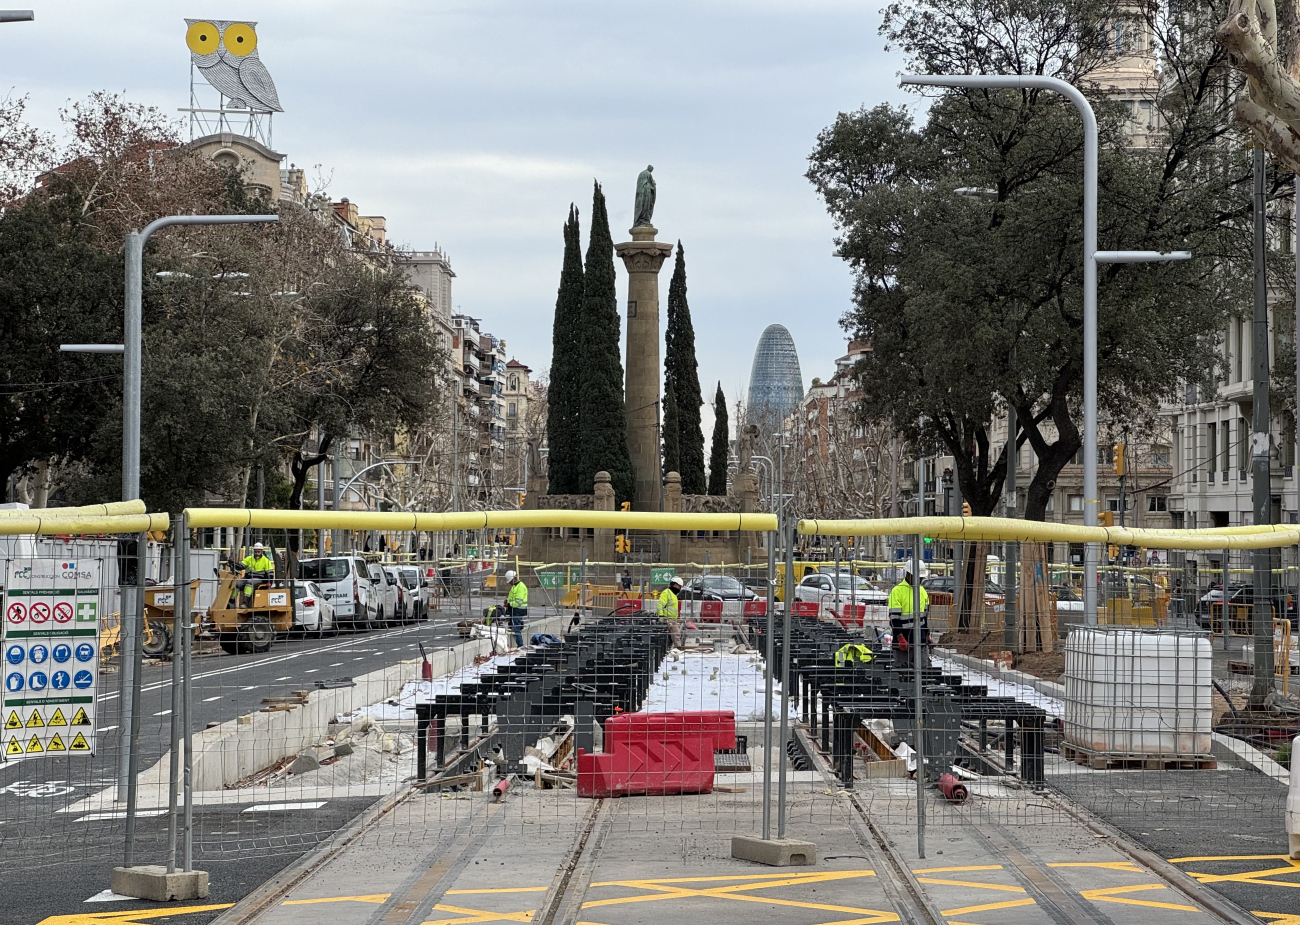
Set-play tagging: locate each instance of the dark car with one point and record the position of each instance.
(1238, 596)
(715, 588)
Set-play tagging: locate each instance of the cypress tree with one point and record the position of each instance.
(672, 445)
(682, 371)
(721, 446)
(604, 417)
(563, 426)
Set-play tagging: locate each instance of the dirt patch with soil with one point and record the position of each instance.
(1049, 666)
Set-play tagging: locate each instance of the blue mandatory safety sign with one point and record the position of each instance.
(62, 652)
(38, 654)
(14, 682)
(83, 679)
(37, 680)
(60, 680)
(15, 654)
(85, 652)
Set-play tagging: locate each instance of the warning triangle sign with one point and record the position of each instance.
(13, 748)
(56, 745)
(57, 719)
(35, 745)
(80, 718)
(34, 721)
(79, 744)
(13, 722)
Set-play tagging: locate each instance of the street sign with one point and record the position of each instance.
(550, 579)
(661, 576)
(51, 651)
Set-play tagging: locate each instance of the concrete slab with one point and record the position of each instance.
(153, 882)
(774, 852)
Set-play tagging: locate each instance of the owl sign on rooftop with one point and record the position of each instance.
(226, 54)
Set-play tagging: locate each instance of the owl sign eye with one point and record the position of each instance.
(202, 38)
(240, 39)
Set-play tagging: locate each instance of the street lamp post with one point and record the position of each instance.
(1091, 258)
(132, 348)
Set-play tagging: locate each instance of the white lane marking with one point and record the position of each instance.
(251, 687)
(359, 658)
(163, 713)
(210, 699)
(107, 729)
(285, 678)
(335, 664)
(311, 671)
(281, 807)
(98, 817)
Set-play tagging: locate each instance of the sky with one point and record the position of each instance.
(473, 124)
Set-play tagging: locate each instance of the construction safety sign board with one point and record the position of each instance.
(51, 656)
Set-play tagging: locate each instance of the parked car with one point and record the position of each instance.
(312, 611)
(947, 584)
(408, 595)
(715, 588)
(413, 579)
(1238, 595)
(347, 585)
(819, 588)
(386, 591)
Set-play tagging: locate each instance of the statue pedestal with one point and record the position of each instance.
(643, 257)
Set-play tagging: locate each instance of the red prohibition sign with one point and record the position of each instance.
(40, 612)
(17, 613)
(62, 612)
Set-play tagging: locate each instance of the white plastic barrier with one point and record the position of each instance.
(1293, 801)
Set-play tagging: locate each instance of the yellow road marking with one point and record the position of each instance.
(955, 870)
(1232, 857)
(369, 898)
(478, 915)
(988, 907)
(1279, 918)
(507, 889)
(973, 884)
(1127, 866)
(821, 875)
(1110, 895)
(127, 918)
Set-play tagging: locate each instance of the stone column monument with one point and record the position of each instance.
(643, 256)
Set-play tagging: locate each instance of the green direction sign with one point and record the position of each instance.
(661, 576)
(551, 579)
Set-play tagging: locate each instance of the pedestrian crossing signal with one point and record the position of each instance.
(79, 744)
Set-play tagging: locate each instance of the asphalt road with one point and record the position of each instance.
(55, 861)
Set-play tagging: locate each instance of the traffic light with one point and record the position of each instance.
(622, 544)
(522, 496)
(1113, 550)
(965, 509)
(1107, 519)
(1117, 458)
(626, 506)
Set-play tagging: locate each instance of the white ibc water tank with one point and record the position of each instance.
(1138, 694)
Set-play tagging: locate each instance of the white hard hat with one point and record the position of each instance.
(675, 581)
(510, 576)
(257, 546)
(910, 567)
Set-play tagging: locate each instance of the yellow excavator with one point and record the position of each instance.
(249, 611)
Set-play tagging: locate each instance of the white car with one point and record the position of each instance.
(386, 593)
(821, 589)
(408, 595)
(414, 580)
(312, 611)
(346, 584)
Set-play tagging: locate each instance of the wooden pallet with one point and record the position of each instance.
(1141, 762)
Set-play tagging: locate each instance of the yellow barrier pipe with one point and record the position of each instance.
(120, 523)
(473, 520)
(112, 509)
(1001, 528)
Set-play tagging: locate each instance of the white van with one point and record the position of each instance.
(346, 584)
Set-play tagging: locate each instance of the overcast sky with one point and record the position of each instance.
(475, 123)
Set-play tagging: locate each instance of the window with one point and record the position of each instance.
(1243, 447)
(514, 383)
(513, 410)
(1160, 457)
(1051, 502)
(1212, 445)
(1076, 503)
(1112, 504)
(1157, 504)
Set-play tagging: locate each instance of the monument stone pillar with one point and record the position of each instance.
(643, 256)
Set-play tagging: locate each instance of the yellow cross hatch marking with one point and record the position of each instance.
(479, 915)
(368, 898)
(989, 907)
(973, 884)
(132, 917)
(1127, 866)
(954, 870)
(1111, 895)
(508, 889)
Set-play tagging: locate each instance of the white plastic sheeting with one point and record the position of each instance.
(712, 681)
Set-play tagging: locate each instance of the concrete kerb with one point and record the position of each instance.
(231, 751)
(1010, 675)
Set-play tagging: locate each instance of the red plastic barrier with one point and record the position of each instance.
(806, 608)
(710, 611)
(851, 614)
(656, 754)
(755, 608)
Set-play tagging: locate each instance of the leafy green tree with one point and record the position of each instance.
(604, 416)
(964, 233)
(720, 452)
(681, 374)
(564, 461)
